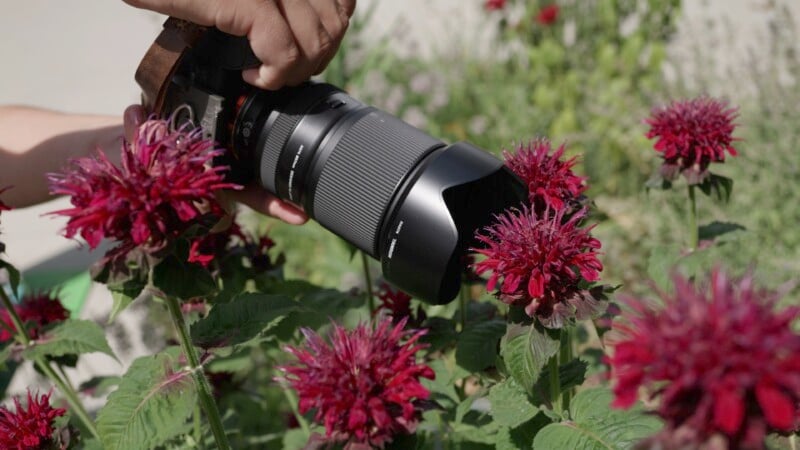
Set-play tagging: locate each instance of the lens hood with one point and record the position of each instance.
(455, 191)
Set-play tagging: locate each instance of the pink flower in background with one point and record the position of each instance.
(721, 359)
(396, 302)
(540, 262)
(31, 428)
(692, 134)
(494, 5)
(37, 311)
(548, 14)
(365, 385)
(165, 182)
(551, 182)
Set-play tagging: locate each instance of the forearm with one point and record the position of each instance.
(35, 142)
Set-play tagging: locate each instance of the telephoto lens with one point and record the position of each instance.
(395, 192)
(400, 195)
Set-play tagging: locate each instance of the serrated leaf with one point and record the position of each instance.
(477, 345)
(595, 426)
(463, 408)
(150, 406)
(716, 229)
(71, 337)
(525, 351)
(441, 333)
(570, 375)
(183, 280)
(521, 437)
(510, 404)
(246, 317)
(99, 386)
(13, 277)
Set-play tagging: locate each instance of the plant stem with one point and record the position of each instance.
(200, 380)
(554, 383)
(694, 236)
(66, 390)
(20, 329)
(368, 281)
(464, 299)
(198, 431)
(565, 356)
(70, 395)
(287, 392)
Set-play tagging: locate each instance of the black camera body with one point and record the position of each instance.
(400, 195)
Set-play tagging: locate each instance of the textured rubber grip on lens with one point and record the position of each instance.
(361, 174)
(284, 125)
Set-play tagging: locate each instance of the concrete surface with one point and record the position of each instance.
(80, 56)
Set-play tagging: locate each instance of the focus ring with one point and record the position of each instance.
(283, 126)
(362, 172)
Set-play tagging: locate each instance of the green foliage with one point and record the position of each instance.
(151, 405)
(71, 337)
(171, 275)
(510, 405)
(526, 351)
(593, 425)
(246, 317)
(478, 344)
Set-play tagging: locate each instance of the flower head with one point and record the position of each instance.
(165, 181)
(31, 428)
(364, 385)
(548, 14)
(37, 311)
(691, 134)
(541, 262)
(398, 305)
(722, 359)
(234, 242)
(551, 182)
(494, 5)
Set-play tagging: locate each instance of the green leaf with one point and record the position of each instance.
(99, 386)
(13, 277)
(718, 187)
(151, 405)
(521, 437)
(441, 333)
(71, 337)
(716, 229)
(477, 345)
(571, 374)
(526, 349)
(183, 280)
(595, 426)
(510, 404)
(246, 317)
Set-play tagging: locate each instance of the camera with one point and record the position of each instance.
(400, 195)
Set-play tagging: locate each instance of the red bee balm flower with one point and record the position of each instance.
(396, 302)
(540, 262)
(30, 429)
(722, 359)
(494, 5)
(691, 135)
(551, 182)
(37, 311)
(548, 15)
(365, 385)
(165, 181)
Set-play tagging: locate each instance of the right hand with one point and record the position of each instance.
(294, 39)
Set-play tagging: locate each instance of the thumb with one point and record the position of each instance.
(132, 118)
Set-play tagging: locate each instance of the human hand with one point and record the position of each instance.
(254, 196)
(293, 39)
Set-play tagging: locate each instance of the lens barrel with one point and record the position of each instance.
(386, 187)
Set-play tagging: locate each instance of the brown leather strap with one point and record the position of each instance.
(161, 60)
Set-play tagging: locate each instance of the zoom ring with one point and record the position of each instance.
(362, 172)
